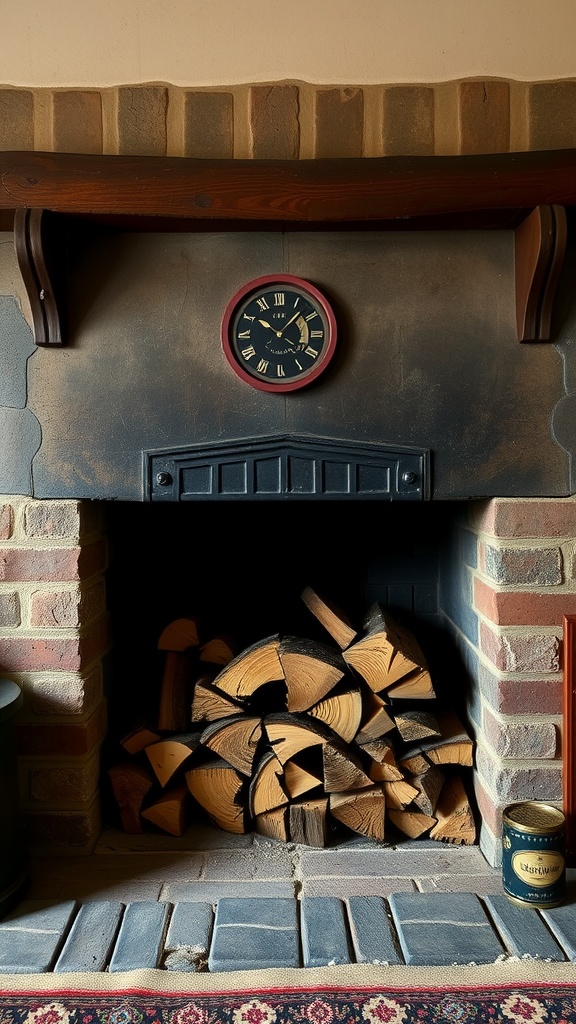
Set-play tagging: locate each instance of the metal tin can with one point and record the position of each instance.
(533, 865)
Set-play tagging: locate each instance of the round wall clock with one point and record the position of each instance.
(279, 333)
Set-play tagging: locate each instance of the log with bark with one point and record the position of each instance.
(295, 738)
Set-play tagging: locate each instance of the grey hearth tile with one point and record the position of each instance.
(481, 885)
(373, 936)
(90, 940)
(188, 939)
(141, 937)
(324, 931)
(443, 928)
(31, 935)
(272, 862)
(211, 892)
(523, 931)
(404, 863)
(371, 885)
(254, 934)
(562, 923)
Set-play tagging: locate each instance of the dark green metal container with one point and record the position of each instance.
(533, 865)
(13, 862)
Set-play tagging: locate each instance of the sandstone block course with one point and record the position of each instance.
(209, 125)
(484, 117)
(77, 121)
(275, 122)
(408, 125)
(16, 119)
(338, 122)
(142, 120)
(552, 115)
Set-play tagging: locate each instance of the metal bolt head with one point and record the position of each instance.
(409, 477)
(163, 479)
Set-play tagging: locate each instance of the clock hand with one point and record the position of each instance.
(270, 328)
(288, 324)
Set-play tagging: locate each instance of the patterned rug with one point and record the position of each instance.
(502, 993)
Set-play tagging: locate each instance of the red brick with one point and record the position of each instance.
(522, 608)
(62, 694)
(24, 654)
(520, 652)
(526, 517)
(526, 740)
(532, 567)
(50, 565)
(6, 522)
(513, 781)
(490, 809)
(51, 785)
(78, 830)
(521, 696)
(62, 739)
(67, 608)
(10, 609)
(53, 519)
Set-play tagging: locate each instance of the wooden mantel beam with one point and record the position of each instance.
(525, 191)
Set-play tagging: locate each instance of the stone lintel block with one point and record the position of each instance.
(522, 607)
(534, 518)
(484, 116)
(338, 122)
(523, 566)
(520, 652)
(275, 122)
(77, 121)
(209, 125)
(519, 780)
(141, 116)
(408, 127)
(16, 119)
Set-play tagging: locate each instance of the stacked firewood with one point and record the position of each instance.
(292, 736)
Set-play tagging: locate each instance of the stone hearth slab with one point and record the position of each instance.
(522, 929)
(441, 928)
(254, 934)
(91, 938)
(141, 936)
(31, 936)
(324, 932)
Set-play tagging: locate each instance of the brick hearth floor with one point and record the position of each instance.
(222, 902)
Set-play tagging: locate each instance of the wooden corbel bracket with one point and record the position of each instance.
(525, 192)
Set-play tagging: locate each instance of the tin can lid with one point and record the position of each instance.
(534, 817)
(11, 698)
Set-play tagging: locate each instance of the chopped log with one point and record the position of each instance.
(411, 823)
(179, 635)
(417, 686)
(341, 711)
(169, 811)
(309, 821)
(342, 770)
(255, 666)
(219, 788)
(399, 794)
(130, 785)
(173, 713)
(415, 763)
(273, 824)
(208, 704)
(266, 790)
(454, 745)
(375, 721)
(428, 785)
(168, 756)
(455, 822)
(310, 669)
(235, 740)
(380, 771)
(335, 622)
(289, 734)
(362, 811)
(298, 780)
(217, 651)
(416, 725)
(138, 738)
(388, 653)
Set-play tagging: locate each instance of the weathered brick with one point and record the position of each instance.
(489, 806)
(6, 522)
(528, 739)
(513, 782)
(520, 607)
(62, 739)
(338, 122)
(209, 125)
(66, 694)
(408, 125)
(25, 654)
(275, 122)
(50, 565)
(531, 652)
(10, 609)
(61, 784)
(48, 830)
(142, 120)
(513, 696)
(53, 519)
(484, 117)
(16, 119)
(535, 567)
(537, 518)
(67, 608)
(77, 121)
(552, 115)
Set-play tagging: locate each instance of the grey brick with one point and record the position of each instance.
(409, 860)
(188, 940)
(479, 884)
(271, 863)
(31, 936)
(211, 892)
(441, 928)
(562, 924)
(372, 885)
(324, 932)
(252, 934)
(91, 937)
(141, 937)
(373, 936)
(522, 929)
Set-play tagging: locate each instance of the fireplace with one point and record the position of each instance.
(430, 396)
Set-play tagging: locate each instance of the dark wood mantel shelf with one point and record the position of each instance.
(527, 192)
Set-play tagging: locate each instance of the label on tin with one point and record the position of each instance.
(538, 868)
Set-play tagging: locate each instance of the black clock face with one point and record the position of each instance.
(279, 333)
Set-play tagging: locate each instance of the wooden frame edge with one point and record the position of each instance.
(569, 734)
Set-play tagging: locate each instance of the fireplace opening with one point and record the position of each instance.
(240, 569)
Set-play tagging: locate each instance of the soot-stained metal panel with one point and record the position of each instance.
(427, 357)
